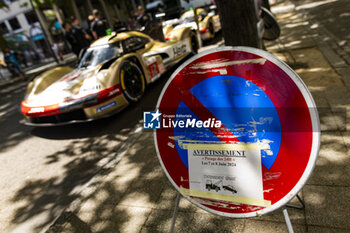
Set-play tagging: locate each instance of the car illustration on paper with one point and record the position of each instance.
(229, 188)
(213, 186)
(209, 23)
(112, 73)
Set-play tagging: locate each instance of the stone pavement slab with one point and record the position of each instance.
(335, 60)
(317, 229)
(332, 166)
(124, 219)
(327, 206)
(253, 226)
(294, 32)
(345, 73)
(159, 221)
(296, 216)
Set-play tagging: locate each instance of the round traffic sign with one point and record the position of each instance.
(239, 131)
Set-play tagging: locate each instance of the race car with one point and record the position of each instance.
(113, 72)
(209, 23)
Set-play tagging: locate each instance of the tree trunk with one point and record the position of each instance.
(57, 11)
(108, 17)
(266, 4)
(239, 22)
(76, 12)
(3, 43)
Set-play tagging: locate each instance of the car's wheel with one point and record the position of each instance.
(194, 42)
(132, 81)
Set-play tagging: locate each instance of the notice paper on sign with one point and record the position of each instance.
(226, 170)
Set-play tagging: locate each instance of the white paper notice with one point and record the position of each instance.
(230, 172)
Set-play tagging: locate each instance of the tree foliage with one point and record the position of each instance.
(3, 5)
(39, 3)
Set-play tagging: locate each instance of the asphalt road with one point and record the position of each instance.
(42, 168)
(333, 15)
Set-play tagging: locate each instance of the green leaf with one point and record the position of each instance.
(4, 6)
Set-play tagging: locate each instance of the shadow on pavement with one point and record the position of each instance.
(12, 132)
(136, 196)
(80, 159)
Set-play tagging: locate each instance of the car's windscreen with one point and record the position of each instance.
(97, 55)
(189, 16)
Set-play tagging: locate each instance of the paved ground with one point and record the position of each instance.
(41, 169)
(136, 197)
(330, 18)
(104, 176)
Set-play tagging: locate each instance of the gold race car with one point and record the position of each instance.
(209, 23)
(113, 72)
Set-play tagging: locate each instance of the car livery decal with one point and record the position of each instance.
(81, 102)
(153, 69)
(105, 107)
(179, 50)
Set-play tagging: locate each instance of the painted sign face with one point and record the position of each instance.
(239, 132)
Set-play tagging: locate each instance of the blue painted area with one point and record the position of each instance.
(57, 25)
(242, 107)
(200, 134)
(38, 37)
(106, 106)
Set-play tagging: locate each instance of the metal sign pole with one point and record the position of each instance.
(295, 206)
(286, 217)
(176, 208)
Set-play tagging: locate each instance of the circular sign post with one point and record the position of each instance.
(239, 131)
(272, 29)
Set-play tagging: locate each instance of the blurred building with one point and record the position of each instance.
(21, 29)
(21, 22)
(18, 18)
(21, 17)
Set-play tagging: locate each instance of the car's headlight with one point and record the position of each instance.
(100, 75)
(90, 86)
